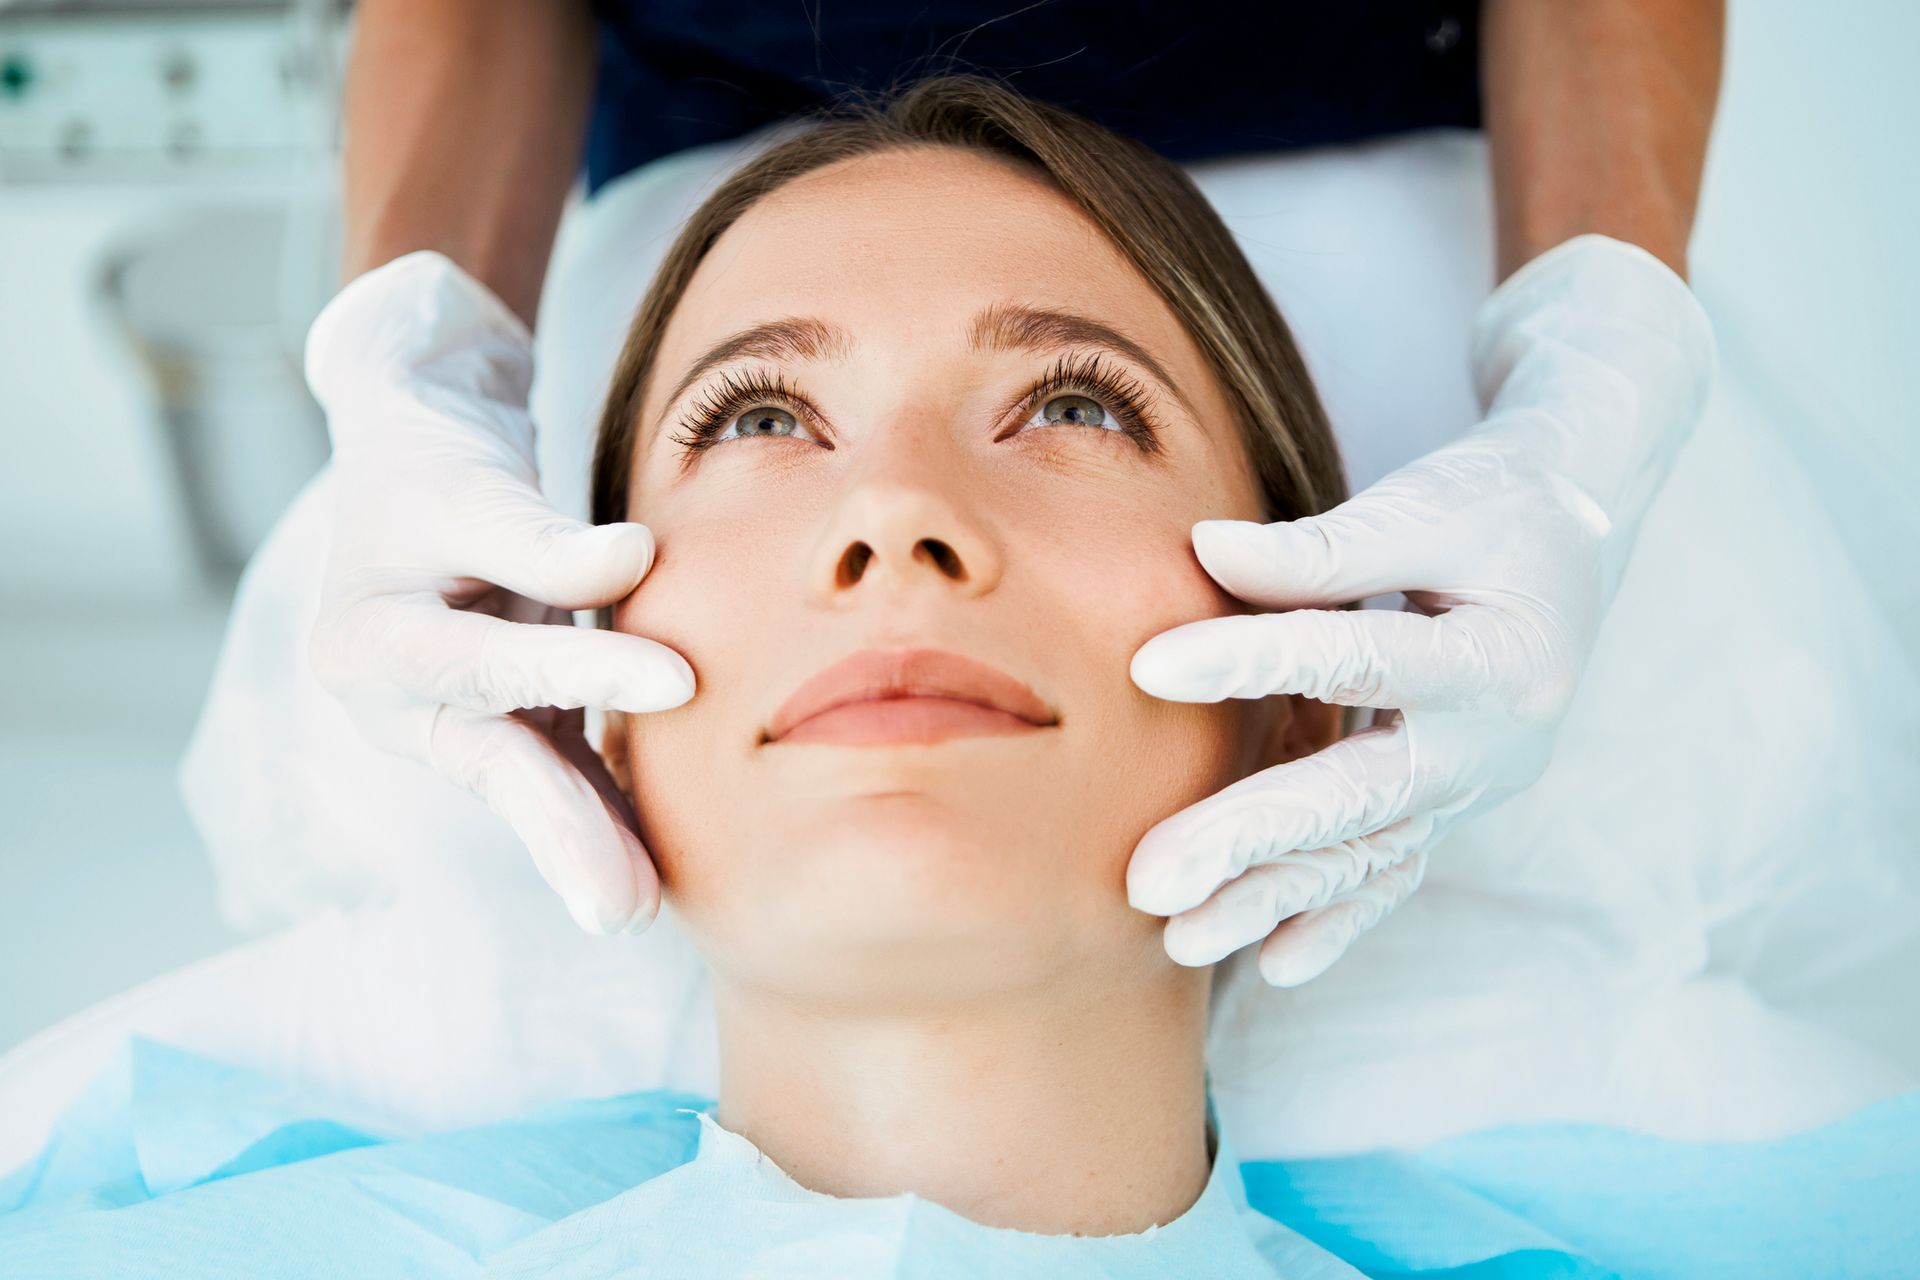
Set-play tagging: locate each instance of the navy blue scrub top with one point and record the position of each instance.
(1192, 79)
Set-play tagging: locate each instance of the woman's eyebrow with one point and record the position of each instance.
(794, 338)
(999, 326)
(1005, 326)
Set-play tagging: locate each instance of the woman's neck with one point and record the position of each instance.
(1060, 1113)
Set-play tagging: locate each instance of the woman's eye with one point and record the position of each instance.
(1073, 411)
(766, 420)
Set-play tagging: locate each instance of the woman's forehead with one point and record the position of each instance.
(915, 245)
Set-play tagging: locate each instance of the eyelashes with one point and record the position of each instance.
(1126, 397)
(728, 396)
(1130, 399)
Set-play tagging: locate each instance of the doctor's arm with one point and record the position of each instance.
(464, 121)
(1591, 361)
(443, 625)
(1597, 116)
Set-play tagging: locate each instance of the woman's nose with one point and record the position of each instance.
(895, 538)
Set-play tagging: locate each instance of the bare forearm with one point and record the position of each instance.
(1597, 115)
(464, 125)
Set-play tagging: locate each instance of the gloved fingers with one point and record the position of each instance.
(1356, 658)
(1245, 910)
(482, 663)
(509, 536)
(1352, 788)
(1304, 946)
(1358, 549)
(568, 732)
(583, 849)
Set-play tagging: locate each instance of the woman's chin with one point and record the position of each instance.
(898, 894)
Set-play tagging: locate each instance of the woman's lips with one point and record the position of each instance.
(904, 720)
(907, 695)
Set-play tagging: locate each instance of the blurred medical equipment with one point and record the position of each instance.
(239, 428)
(172, 164)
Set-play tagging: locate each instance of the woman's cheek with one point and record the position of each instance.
(1136, 573)
(686, 604)
(694, 579)
(1118, 587)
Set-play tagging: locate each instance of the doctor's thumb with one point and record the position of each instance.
(559, 561)
(1314, 562)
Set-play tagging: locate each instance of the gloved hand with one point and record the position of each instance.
(1592, 363)
(445, 557)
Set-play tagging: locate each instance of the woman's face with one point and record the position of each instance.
(889, 480)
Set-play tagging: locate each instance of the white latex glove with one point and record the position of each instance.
(1592, 363)
(446, 557)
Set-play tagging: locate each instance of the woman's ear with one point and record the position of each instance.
(1300, 727)
(613, 750)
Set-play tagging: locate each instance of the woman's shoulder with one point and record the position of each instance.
(171, 1161)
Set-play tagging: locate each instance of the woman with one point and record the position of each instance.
(922, 403)
(933, 397)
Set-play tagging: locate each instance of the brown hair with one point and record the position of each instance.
(1145, 203)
